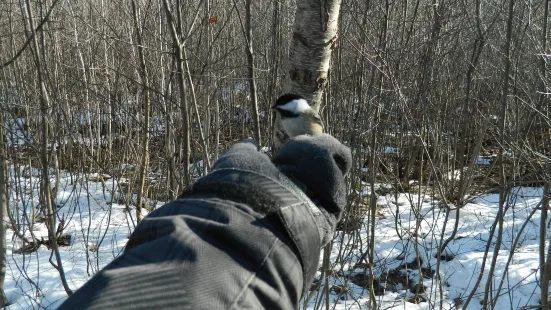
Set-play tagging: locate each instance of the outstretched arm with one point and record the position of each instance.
(247, 236)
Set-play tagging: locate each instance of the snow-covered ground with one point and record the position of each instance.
(516, 272)
(99, 224)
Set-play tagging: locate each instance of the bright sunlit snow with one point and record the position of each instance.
(99, 224)
(516, 272)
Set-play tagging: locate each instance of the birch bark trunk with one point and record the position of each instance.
(313, 40)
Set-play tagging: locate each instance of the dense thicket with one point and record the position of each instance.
(416, 88)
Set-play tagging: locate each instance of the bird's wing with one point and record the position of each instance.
(313, 117)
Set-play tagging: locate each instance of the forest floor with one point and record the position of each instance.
(398, 243)
(407, 227)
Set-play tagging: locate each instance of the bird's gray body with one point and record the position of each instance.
(307, 123)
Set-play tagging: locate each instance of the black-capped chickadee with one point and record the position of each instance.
(297, 117)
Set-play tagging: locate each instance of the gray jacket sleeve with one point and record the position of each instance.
(212, 250)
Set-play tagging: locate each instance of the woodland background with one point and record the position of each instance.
(150, 93)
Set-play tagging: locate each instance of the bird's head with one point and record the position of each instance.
(291, 105)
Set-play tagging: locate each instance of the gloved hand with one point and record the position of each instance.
(318, 165)
(299, 196)
(315, 164)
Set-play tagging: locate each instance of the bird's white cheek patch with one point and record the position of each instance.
(296, 106)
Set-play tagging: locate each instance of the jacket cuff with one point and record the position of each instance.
(270, 196)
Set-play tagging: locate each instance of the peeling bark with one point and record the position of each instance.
(314, 38)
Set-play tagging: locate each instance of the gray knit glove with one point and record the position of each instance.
(314, 165)
(318, 165)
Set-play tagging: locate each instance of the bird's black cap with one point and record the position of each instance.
(284, 99)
